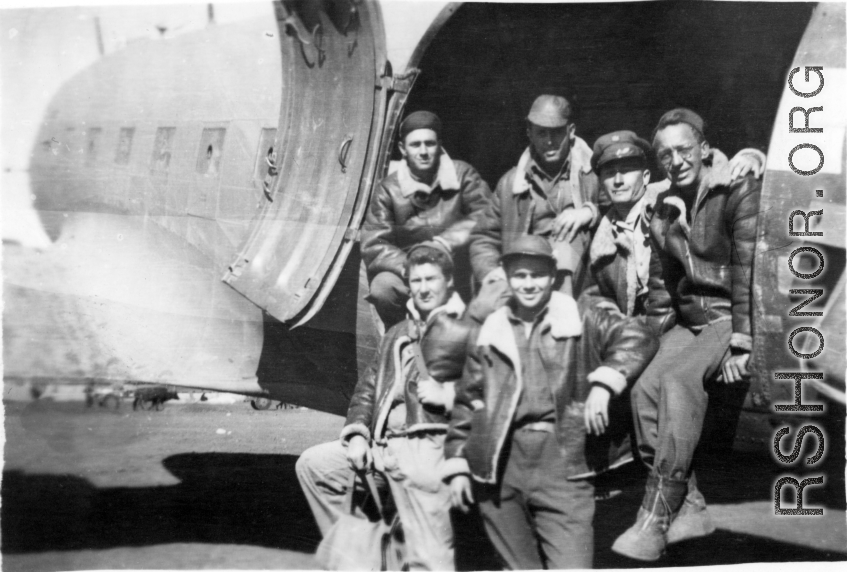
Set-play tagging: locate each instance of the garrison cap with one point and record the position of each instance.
(549, 111)
(529, 245)
(420, 120)
(681, 115)
(619, 145)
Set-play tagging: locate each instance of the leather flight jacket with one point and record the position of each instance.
(399, 218)
(580, 346)
(706, 245)
(615, 278)
(444, 339)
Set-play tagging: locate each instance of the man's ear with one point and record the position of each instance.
(571, 131)
(402, 148)
(706, 149)
(646, 176)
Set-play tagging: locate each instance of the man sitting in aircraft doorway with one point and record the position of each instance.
(428, 197)
(552, 192)
(703, 228)
(624, 268)
(531, 410)
(398, 416)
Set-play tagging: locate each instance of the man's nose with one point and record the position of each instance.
(676, 158)
(618, 179)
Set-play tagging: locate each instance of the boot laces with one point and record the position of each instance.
(653, 517)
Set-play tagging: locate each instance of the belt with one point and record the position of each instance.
(542, 426)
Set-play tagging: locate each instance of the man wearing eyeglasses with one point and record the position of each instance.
(703, 227)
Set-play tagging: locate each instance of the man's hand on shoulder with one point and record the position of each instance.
(461, 493)
(358, 453)
(746, 162)
(570, 222)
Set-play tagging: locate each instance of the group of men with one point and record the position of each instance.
(594, 290)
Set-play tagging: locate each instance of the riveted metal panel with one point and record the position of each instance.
(784, 192)
(321, 145)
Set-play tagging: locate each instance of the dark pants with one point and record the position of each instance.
(537, 518)
(669, 400)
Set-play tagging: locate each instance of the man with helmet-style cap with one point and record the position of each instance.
(531, 411)
(703, 228)
(428, 197)
(398, 415)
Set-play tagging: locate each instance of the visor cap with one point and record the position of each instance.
(619, 145)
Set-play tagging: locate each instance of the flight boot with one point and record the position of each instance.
(693, 520)
(646, 539)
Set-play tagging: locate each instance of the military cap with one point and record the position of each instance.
(681, 115)
(433, 244)
(619, 145)
(549, 111)
(529, 245)
(420, 120)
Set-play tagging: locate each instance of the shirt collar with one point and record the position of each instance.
(631, 221)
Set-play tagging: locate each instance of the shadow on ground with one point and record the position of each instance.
(253, 499)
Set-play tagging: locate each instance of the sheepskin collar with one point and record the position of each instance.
(580, 159)
(607, 242)
(454, 307)
(716, 173)
(446, 178)
(562, 318)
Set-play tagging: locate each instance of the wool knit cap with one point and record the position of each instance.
(420, 120)
(681, 115)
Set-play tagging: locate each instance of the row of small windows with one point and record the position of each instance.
(208, 157)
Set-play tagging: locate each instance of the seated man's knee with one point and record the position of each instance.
(387, 286)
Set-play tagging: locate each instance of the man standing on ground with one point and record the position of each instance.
(537, 382)
(429, 196)
(398, 416)
(704, 230)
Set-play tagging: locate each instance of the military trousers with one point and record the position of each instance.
(536, 518)
(409, 467)
(669, 400)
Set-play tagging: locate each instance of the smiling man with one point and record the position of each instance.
(623, 265)
(398, 416)
(536, 385)
(703, 228)
(429, 196)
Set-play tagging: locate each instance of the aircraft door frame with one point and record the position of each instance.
(329, 117)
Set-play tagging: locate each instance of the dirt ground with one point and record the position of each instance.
(213, 486)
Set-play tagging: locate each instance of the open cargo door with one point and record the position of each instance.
(329, 118)
(821, 190)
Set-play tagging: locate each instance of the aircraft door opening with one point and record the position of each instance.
(621, 66)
